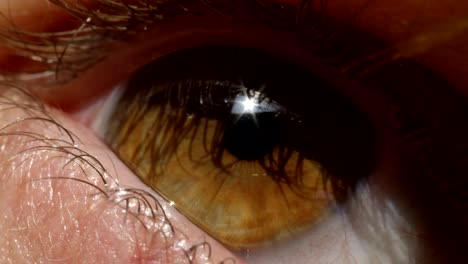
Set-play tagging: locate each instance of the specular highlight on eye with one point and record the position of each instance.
(233, 147)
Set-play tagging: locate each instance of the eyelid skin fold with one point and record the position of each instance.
(90, 210)
(186, 32)
(400, 22)
(192, 31)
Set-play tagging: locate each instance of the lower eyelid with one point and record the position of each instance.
(99, 217)
(127, 178)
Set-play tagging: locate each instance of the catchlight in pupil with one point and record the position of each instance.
(248, 105)
(235, 145)
(253, 131)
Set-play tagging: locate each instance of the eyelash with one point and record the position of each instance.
(194, 98)
(59, 57)
(63, 48)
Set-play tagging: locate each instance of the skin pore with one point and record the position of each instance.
(61, 205)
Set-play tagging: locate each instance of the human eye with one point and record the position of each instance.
(392, 80)
(232, 145)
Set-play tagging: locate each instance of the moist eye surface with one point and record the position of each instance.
(252, 148)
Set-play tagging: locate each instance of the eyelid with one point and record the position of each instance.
(31, 15)
(184, 32)
(189, 31)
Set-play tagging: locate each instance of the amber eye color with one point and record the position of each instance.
(250, 147)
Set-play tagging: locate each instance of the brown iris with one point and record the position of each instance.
(233, 160)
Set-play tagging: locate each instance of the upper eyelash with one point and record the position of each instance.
(273, 164)
(63, 55)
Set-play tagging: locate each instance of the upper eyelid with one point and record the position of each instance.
(65, 53)
(62, 52)
(73, 51)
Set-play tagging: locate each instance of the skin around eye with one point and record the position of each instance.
(395, 22)
(405, 14)
(76, 202)
(229, 170)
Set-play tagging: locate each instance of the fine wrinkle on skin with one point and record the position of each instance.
(59, 203)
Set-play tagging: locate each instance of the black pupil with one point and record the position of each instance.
(251, 136)
(294, 109)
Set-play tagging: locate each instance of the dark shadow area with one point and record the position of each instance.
(317, 120)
